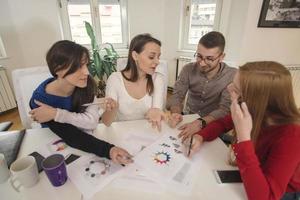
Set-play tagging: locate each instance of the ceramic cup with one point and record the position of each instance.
(55, 168)
(24, 173)
(4, 172)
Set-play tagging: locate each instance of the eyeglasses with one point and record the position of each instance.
(207, 60)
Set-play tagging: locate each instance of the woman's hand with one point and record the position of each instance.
(110, 104)
(196, 144)
(241, 118)
(43, 113)
(120, 156)
(155, 116)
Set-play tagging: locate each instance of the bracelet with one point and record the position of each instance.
(203, 122)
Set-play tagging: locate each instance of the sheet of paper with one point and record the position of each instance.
(164, 161)
(137, 180)
(91, 173)
(55, 146)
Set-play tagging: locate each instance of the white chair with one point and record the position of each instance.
(161, 68)
(25, 81)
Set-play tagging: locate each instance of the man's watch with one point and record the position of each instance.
(203, 122)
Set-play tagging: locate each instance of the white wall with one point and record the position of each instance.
(247, 42)
(280, 44)
(146, 17)
(29, 29)
(160, 18)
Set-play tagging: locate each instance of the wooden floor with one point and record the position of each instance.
(13, 116)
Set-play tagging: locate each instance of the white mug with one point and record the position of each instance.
(4, 172)
(24, 172)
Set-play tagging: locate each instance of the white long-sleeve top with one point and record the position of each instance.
(86, 121)
(131, 108)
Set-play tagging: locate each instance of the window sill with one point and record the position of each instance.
(185, 53)
(4, 58)
(122, 52)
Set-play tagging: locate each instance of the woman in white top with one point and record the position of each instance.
(137, 89)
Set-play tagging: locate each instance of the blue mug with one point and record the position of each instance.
(55, 168)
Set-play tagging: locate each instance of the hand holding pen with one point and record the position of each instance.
(194, 144)
(190, 146)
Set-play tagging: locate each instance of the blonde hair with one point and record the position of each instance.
(266, 87)
(267, 90)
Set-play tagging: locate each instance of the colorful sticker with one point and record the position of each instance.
(162, 157)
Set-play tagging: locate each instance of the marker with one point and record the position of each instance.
(190, 146)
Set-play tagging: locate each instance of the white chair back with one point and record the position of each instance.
(161, 68)
(25, 81)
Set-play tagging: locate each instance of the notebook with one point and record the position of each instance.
(10, 142)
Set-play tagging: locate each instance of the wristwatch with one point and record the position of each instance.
(203, 122)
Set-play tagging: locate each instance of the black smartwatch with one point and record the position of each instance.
(203, 122)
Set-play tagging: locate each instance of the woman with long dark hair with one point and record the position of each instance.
(57, 102)
(138, 89)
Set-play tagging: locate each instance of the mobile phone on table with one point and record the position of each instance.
(228, 176)
(38, 159)
(71, 158)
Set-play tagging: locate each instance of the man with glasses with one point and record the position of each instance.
(205, 81)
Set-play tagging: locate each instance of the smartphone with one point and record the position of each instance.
(38, 159)
(228, 176)
(71, 158)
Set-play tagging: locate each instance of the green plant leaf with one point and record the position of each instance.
(112, 49)
(108, 52)
(91, 34)
(107, 68)
(101, 66)
(92, 70)
(98, 65)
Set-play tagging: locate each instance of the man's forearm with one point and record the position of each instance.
(208, 119)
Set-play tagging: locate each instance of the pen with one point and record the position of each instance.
(190, 146)
(95, 103)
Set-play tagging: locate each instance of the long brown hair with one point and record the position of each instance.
(66, 54)
(266, 88)
(137, 44)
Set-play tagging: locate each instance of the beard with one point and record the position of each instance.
(207, 68)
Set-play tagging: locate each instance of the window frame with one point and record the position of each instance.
(66, 28)
(186, 16)
(2, 50)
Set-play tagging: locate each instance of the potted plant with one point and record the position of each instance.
(103, 60)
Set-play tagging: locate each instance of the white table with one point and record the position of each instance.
(212, 156)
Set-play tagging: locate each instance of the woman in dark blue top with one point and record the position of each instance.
(70, 88)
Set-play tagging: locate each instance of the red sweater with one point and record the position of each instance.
(271, 169)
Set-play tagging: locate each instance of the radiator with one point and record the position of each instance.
(181, 61)
(295, 72)
(7, 100)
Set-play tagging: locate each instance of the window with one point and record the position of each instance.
(108, 18)
(201, 17)
(2, 50)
